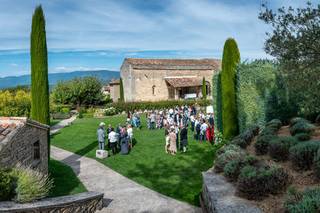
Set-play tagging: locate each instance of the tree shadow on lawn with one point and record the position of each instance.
(65, 181)
(181, 180)
(85, 150)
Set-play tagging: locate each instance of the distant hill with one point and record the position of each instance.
(103, 75)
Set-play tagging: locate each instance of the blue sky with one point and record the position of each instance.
(99, 34)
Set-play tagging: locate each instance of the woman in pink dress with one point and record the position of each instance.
(173, 143)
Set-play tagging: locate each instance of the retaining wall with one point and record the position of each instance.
(218, 196)
(86, 202)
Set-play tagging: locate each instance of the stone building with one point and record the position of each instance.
(25, 142)
(166, 79)
(114, 86)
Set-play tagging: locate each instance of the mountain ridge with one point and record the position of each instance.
(13, 81)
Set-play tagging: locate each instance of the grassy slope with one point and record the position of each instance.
(176, 176)
(65, 180)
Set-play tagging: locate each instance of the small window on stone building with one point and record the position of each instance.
(153, 90)
(36, 150)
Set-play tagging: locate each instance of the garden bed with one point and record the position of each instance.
(277, 169)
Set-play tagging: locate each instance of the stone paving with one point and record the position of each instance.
(120, 193)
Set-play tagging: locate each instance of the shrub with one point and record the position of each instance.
(255, 183)
(245, 138)
(274, 123)
(296, 120)
(307, 201)
(279, 147)
(302, 154)
(233, 167)
(316, 164)
(6, 185)
(65, 110)
(225, 157)
(15, 103)
(302, 127)
(317, 121)
(303, 136)
(228, 147)
(110, 111)
(262, 144)
(30, 185)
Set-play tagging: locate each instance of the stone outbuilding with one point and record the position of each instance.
(114, 86)
(166, 79)
(25, 142)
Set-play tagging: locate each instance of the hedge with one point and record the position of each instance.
(254, 79)
(131, 106)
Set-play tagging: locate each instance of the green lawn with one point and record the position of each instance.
(65, 180)
(176, 176)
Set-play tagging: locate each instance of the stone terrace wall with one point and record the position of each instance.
(86, 202)
(218, 196)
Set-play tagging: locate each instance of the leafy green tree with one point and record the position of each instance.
(204, 89)
(230, 60)
(121, 99)
(294, 42)
(78, 92)
(39, 69)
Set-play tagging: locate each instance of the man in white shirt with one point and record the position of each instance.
(130, 134)
(113, 138)
(203, 130)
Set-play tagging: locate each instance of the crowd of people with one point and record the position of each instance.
(175, 122)
(117, 139)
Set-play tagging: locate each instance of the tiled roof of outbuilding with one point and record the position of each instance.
(184, 82)
(9, 125)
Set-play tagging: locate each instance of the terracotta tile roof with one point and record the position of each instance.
(184, 82)
(117, 81)
(138, 62)
(8, 125)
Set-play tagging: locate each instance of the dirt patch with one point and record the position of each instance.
(298, 179)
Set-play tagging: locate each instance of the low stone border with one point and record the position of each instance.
(218, 196)
(87, 202)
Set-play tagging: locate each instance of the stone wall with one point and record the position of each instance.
(138, 83)
(115, 92)
(20, 148)
(218, 196)
(86, 202)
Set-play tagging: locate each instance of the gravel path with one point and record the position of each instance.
(121, 194)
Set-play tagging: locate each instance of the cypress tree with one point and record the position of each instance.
(39, 71)
(218, 113)
(204, 89)
(121, 91)
(230, 60)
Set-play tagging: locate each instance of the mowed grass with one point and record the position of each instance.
(176, 176)
(65, 180)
